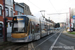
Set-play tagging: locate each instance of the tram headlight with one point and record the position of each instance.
(26, 34)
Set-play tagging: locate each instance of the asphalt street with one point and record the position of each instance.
(56, 41)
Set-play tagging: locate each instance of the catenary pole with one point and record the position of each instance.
(4, 20)
(70, 18)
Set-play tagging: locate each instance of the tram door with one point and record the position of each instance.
(33, 30)
(1, 30)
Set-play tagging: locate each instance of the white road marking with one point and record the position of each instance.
(9, 49)
(62, 44)
(54, 42)
(32, 45)
(45, 40)
(29, 47)
(73, 49)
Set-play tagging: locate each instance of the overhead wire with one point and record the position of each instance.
(52, 5)
(34, 5)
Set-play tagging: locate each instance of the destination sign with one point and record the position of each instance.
(19, 18)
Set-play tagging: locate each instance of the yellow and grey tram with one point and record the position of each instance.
(26, 28)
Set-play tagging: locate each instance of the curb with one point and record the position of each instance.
(70, 35)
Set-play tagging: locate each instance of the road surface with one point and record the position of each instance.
(55, 41)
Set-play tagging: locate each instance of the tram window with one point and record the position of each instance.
(20, 23)
(25, 29)
(37, 28)
(32, 27)
(15, 29)
(26, 23)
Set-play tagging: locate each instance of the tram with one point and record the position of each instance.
(26, 28)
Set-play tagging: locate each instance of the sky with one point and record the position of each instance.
(50, 7)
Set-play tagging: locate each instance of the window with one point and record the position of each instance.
(9, 1)
(11, 12)
(6, 11)
(19, 8)
(19, 13)
(27, 8)
(0, 10)
(1, 30)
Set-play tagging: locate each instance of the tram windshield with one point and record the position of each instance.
(20, 24)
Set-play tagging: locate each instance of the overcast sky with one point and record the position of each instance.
(50, 6)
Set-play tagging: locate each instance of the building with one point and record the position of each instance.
(12, 8)
(26, 9)
(62, 24)
(8, 11)
(18, 9)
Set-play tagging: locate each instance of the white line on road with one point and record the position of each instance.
(54, 42)
(44, 41)
(62, 44)
(32, 45)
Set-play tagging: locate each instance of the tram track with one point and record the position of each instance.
(41, 43)
(17, 47)
(28, 46)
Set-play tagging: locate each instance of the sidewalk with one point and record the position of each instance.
(2, 41)
(70, 35)
(5, 44)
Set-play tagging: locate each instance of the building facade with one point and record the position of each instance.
(62, 24)
(26, 9)
(12, 8)
(18, 9)
(8, 13)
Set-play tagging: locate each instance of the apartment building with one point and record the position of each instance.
(8, 13)
(18, 9)
(12, 8)
(8, 9)
(26, 9)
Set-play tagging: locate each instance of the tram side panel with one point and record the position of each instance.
(34, 30)
(43, 30)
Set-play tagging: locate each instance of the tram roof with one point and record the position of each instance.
(23, 15)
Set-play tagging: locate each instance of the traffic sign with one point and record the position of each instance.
(73, 17)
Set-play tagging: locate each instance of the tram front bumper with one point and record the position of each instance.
(19, 39)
